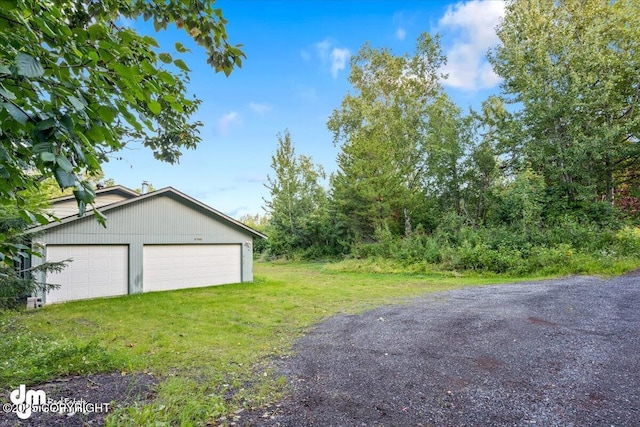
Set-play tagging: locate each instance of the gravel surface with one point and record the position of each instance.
(550, 353)
(114, 389)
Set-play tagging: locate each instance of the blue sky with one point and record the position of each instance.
(295, 74)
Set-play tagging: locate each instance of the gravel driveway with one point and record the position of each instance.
(550, 353)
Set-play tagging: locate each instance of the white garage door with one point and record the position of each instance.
(96, 271)
(190, 266)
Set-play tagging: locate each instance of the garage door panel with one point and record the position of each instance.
(189, 266)
(96, 271)
(100, 263)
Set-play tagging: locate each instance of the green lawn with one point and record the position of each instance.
(205, 343)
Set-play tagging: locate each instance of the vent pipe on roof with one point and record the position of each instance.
(143, 188)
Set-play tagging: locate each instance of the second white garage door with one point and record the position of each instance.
(190, 266)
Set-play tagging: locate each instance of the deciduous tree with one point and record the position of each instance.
(384, 131)
(77, 83)
(572, 66)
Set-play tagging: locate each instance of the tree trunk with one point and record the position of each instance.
(407, 223)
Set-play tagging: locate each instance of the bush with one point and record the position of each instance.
(481, 257)
(572, 248)
(416, 248)
(627, 241)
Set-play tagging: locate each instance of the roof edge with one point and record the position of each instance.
(138, 198)
(121, 188)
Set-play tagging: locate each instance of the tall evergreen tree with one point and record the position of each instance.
(296, 199)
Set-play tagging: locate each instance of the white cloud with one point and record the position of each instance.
(306, 93)
(225, 122)
(403, 20)
(252, 178)
(472, 26)
(260, 108)
(235, 212)
(339, 59)
(322, 48)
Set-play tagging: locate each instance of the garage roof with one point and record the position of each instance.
(117, 189)
(166, 192)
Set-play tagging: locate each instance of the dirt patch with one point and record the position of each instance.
(538, 321)
(106, 391)
(553, 353)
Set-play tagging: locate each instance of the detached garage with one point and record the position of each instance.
(159, 241)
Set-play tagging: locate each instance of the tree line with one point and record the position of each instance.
(541, 173)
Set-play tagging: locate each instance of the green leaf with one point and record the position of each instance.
(65, 179)
(42, 147)
(28, 66)
(16, 113)
(127, 72)
(7, 94)
(81, 193)
(150, 41)
(155, 107)
(180, 48)
(177, 107)
(147, 67)
(100, 217)
(41, 135)
(131, 119)
(165, 57)
(47, 157)
(92, 162)
(46, 124)
(166, 77)
(95, 134)
(78, 149)
(64, 163)
(67, 122)
(44, 27)
(77, 103)
(159, 25)
(97, 31)
(41, 219)
(82, 207)
(27, 215)
(107, 114)
(180, 64)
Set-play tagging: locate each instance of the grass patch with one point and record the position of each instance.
(210, 346)
(31, 355)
